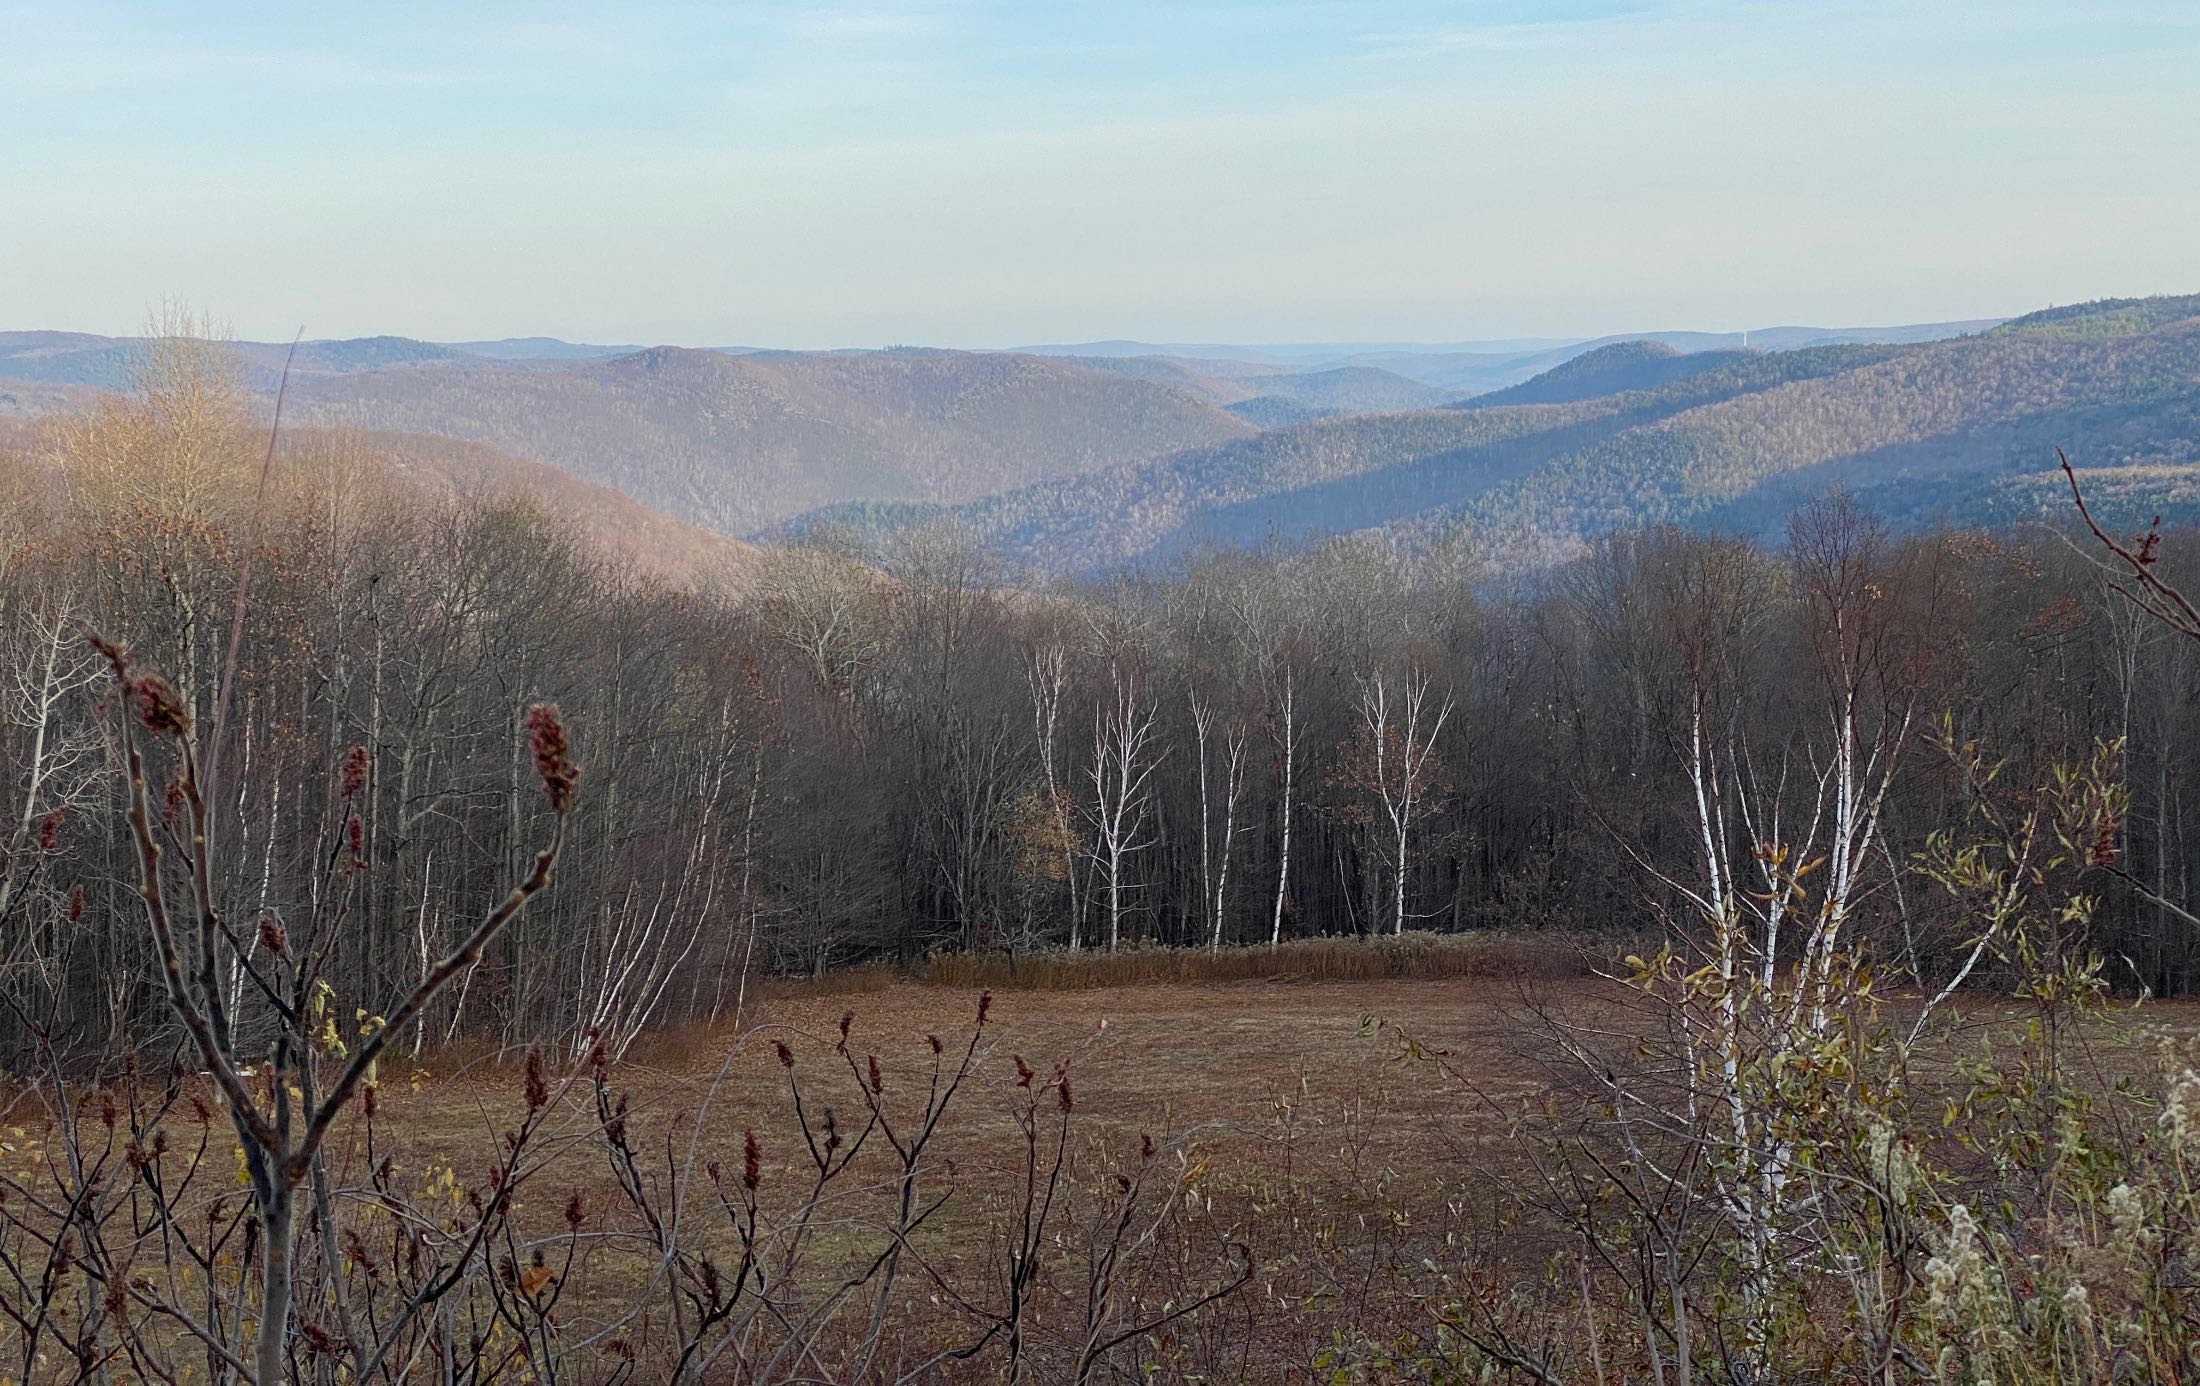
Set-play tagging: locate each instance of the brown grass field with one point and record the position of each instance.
(1298, 1125)
(1303, 1120)
(1273, 1115)
(1233, 1065)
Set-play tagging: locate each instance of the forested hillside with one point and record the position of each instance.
(1078, 463)
(106, 363)
(727, 440)
(28, 399)
(424, 470)
(1611, 370)
(1330, 476)
(1471, 368)
(1252, 390)
(1932, 430)
(85, 444)
(737, 442)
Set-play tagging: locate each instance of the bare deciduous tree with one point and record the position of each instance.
(1124, 756)
(1395, 762)
(282, 1133)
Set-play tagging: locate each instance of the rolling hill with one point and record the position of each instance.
(543, 349)
(440, 471)
(1473, 368)
(1278, 411)
(1083, 460)
(28, 399)
(1955, 428)
(1349, 389)
(1252, 390)
(738, 442)
(1609, 370)
(443, 469)
(103, 363)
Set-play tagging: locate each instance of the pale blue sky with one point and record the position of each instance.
(971, 173)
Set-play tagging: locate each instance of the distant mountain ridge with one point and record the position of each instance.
(542, 349)
(1336, 389)
(1079, 460)
(739, 442)
(1609, 370)
(103, 363)
(1471, 367)
(1937, 429)
(78, 358)
(731, 439)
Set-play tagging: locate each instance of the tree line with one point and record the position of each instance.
(839, 754)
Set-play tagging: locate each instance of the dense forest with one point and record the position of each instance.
(874, 754)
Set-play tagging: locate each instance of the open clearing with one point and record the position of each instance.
(1316, 1083)
(1302, 1121)
(1229, 1065)
(1301, 1129)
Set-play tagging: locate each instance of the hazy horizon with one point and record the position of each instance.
(222, 330)
(982, 175)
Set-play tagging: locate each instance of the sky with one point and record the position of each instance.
(991, 173)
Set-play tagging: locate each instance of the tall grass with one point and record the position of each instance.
(1415, 956)
(835, 981)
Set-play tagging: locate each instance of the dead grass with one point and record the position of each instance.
(1406, 957)
(840, 981)
(1291, 1122)
(1303, 1129)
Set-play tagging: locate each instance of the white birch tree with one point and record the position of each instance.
(1284, 728)
(1124, 756)
(1046, 672)
(1215, 848)
(1398, 765)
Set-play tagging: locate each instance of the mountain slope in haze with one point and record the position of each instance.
(1336, 475)
(1276, 411)
(626, 530)
(103, 363)
(355, 354)
(1115, 456)
(739, 442)
(2102, 319)
(1609, 370)
(1349, 389)
(1310, 356)
(66, 358)
(1463, 368)
(1192, 377)
(441, 471)
(1254, 391)
(30, 399)
(1930, 428)
(542, 349)
(1933, 430)
(1479, 372)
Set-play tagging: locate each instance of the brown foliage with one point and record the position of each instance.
(1412, 957)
